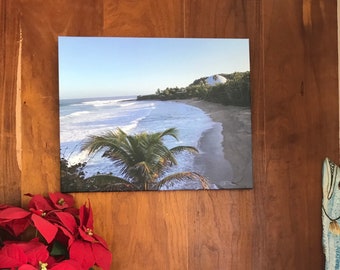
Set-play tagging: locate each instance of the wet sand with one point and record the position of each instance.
(226, 154)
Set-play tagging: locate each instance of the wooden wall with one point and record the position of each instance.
(294, 65)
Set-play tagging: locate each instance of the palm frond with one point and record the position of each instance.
(142, 158)
(109, 139)
(179, 149)
(172, 132)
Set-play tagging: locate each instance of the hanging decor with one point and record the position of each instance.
(331, 214)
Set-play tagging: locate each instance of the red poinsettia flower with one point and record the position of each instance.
(90, 249)
(32, 255)
(54, 201)
(61, 200)
(69, 233)
(64, 265)
(52, 213)
(85, 229)
(90, 254)
(13, 219)
(15, 254)
(42, 216)
(39, 204)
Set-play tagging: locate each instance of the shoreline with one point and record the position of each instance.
(233, 129)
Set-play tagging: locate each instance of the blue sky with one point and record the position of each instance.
(107, 67)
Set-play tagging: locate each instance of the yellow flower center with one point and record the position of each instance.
(89, 231)
(61, 201)
(42, 266)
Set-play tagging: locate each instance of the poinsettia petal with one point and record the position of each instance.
(86, 216)
(39, 202)
(82, 252)
(13, 212)
(14, 219)
(47, 229)
(27, 267)
(67, 220)
(100, 240)
(7, 262)
(64, 236)
(68, 265)
(35, 251)
(102, 256)
(88, 235)
(12, 255)
(85, 234)
(17, 226)
(61, 200)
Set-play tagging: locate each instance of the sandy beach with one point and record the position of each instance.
(232, 133)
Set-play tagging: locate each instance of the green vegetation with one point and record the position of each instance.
(143, 158)
(72, 176)
(235, 91)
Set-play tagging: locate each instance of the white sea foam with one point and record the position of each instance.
(81, 119)
(76, 114)
(79, 157)
(126, 104)
(100, 103)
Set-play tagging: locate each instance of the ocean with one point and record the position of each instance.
(80, 118)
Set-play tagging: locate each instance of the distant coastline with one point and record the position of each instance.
(226, 89)
(226, 99)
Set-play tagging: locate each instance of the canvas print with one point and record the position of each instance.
(154, 114)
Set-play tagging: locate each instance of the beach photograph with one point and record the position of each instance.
(154, 114)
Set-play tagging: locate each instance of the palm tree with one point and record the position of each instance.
(143, 158)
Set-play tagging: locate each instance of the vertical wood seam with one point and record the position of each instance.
(184, 19)
(18, 110)
(259, 259)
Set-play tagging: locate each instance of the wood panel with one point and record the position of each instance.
(145, 18)
(301, 99)
(220, 18)
(10, 158)
(42, 22)
(277, 225)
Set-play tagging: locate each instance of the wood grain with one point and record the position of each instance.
(10, 158)
(40, 82)
(295, 123)
(218, 18)
(148, 18)
(301, 107)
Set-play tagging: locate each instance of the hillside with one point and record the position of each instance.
(227, 89)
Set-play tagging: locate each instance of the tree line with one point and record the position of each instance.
(235, 91)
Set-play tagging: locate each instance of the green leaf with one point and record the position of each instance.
(58, 249)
